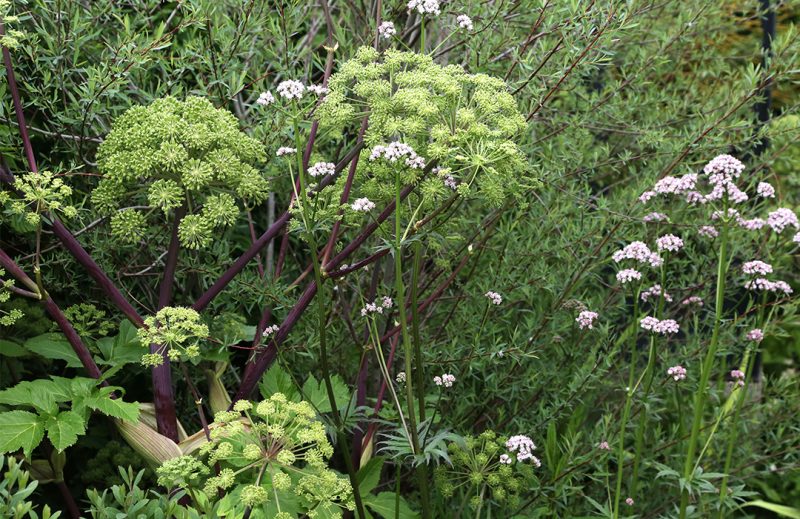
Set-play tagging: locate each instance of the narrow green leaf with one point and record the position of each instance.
(369, 475)
(782, 510)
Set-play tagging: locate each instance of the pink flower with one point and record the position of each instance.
(724, 164)
(445, 380)
(647, 196)
(655, 291)
(669, 242)
(363, 205)
(321, 169)
(655, 217)
(769, 286)
(732, 214)
(752, 224)
(505, 459)
(494, 297)
(755, 335)
(663, 327)
(757, 267)
(627, 275)
(675, 185)
(269, 330)
(603, 446)
(464, 22)
(765, 190)
(708, 231)
(638, 251)
(386, 30)
(397, 150)
(586, 319)
(782, 218)
(649, 323)
(629, 501)
(524, 448)
(737, 376)
(796, 238)
(677, 373)
(692, 300)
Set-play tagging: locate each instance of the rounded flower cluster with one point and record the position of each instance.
(638, 251)
(363, 205)
(755, 335)
(708, 231)
(464, 22)
(176, 331)
(627, 275)
(663, 327)
(655, 217)
(178, 153)
(669, 242)
(13, 315)
(265, 98)
(397, 150)
(41, 192)
(655, 292)
(386, 30)
(692, 300)
(425, 6)
(765, 190)
(677, 373)
(283, 150)
(737, 376)
(766, 285)
(320, 169)
(586, 319)
(757, 267)
(494, 297)
(445, 380)
(782, 218)
(724, 164)
(291, 89)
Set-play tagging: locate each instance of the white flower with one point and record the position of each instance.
(765, 190)
(425, 6)
(363, 205)
(283, 150)
(320, 169)
(386, 30)
(494, 297)
(464, 22)
(265, 98)
(317, 89)
(291, 89)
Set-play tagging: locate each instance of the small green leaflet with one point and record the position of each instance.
(20, 430)
(276, 380)
(12, 349)
(128, 411)
(64, 429)
(385, 505)
(53, 346)
(122, 349)
(316, 393)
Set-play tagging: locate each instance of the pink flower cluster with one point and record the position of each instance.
(708, 231)
(757, 267)
(669, 242)
(363, 205)
(603, 446)
(655, 292)
(737, 376)
(765, 190)
(782, 218)
(269, 330)
(524, 448)
(663, 327)
(386, 30)
(321, 169)
(655, 217)
(753, 224)
(769, 286)
(677, 372)
(724, 164)
(445, 380)
(374, 308)
(397, 150)
(265, 98)
(464, 22)
(586, 319)
(755, 335)
(494, 297)
(627, 275)
(692, 300)
(638, 251)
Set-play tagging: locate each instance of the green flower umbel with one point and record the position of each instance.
(177, 330)
(172, 154)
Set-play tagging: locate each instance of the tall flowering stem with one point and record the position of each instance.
(627, 409)
(705, 373)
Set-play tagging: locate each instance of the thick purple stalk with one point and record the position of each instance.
(250, 380)
(239, 265)
(163, 395)
(59, 230)
(58, 316)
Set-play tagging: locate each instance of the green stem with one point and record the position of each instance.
(627, 409)
(705, 374)
(422, 477)
(419, 371)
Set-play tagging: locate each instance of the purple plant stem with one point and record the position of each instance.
(58, 316)
(239, 265)
(163, 395)
(250, 380)
(69, 241)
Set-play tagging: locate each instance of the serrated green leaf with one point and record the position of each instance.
(124, 348)
(276, 380)
(20, 430)
(316, 393)
(128, 411)
(53, 346)
(64, 429)
(41, 394)
(386, 505)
